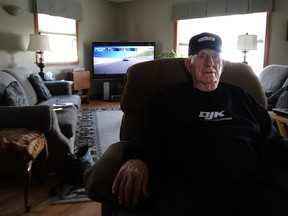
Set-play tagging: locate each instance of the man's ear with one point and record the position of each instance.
(187, 63)
(223, 62)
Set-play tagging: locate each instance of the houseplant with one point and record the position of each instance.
(170, 54)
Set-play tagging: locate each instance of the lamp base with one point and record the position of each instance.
(41, 65)
(244, 60)
(41, 74)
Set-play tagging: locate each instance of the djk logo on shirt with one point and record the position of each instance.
(214, 115)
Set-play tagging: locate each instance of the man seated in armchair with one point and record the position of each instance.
(215, 144)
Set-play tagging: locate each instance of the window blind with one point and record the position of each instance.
(63, 8)
(209, 8)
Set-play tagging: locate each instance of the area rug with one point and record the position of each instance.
(99, 128)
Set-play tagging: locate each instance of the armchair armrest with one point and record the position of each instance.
(39, 117)
(99, 178)
(59, 87)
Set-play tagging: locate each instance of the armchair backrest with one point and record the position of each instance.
(145, 79)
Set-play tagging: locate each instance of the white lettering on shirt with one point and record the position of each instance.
(214, 115)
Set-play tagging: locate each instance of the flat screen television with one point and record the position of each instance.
(112, 59)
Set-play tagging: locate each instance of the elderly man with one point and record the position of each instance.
(214, 145)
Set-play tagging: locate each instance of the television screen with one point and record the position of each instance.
(112, 59)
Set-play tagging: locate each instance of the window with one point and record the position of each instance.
(228, 28)
(63, 38)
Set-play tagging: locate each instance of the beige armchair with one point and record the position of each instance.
(142, 81)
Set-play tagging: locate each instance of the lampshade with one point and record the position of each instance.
(247, 42)
(39, 43)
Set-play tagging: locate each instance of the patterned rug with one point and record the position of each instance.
(99, 128)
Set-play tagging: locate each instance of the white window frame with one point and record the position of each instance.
(63, 38)
(257, 59)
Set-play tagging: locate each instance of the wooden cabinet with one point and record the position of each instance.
(81, 83)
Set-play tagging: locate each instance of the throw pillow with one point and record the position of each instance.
(14, 96)
(39, 86)
(272, 99)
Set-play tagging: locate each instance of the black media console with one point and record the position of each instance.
(112, 90)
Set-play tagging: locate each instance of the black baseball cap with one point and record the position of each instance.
(204, 40)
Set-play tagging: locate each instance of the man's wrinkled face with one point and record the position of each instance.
(205, 68)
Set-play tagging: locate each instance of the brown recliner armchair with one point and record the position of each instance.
(142, 81)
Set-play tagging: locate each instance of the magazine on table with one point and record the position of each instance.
(62, 105)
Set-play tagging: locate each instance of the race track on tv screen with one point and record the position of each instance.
(119, 66)
(115, 61)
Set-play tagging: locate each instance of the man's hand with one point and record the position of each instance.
(131, 182)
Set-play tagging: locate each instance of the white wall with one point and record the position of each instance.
(137, 20)
(16, 25)
(148, 20)
(278, 50)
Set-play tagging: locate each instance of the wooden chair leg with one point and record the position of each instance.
(27, 180)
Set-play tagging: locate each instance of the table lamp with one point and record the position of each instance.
(39, 43)
(246, 43)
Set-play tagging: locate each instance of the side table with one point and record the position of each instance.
(281, 122)
(81, 83)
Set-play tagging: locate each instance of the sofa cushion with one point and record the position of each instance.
(14, 95)
(40, 88)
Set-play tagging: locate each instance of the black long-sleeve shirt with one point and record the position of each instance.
(218, 136)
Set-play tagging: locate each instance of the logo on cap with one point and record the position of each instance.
(207, 38)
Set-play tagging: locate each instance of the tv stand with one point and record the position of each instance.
(112, 90)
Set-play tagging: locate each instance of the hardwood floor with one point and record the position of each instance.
(12, 201)
(100, 103)
(12, 196)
